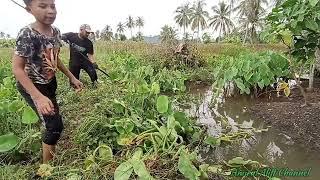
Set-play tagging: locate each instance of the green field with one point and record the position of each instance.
(130, 122)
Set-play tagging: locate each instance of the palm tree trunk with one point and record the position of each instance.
(245, 36)
(131, 32)
(184, 32)
(198, 32)
(253, 34)
(220, 35)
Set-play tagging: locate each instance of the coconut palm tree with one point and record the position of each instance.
(139, 36)
(183, 17)
(130, 24)
(276, 3)
(2, 34)
(97, 33)
(168, 34)
(251, 13)
(140, 23)
(221, 20)
(120, 28)
(231, 5)
(198, 16)
(107, 33)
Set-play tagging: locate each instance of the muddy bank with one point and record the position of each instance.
(302, 124)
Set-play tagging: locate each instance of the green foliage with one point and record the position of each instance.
(8, 142)
(16, 119)
(134, 164)
(186, 167)
(7, 43)
(127, 127)
(29, 116)
(250, 70)
(297, 23)
(162, 104)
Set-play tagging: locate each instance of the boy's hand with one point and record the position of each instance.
(76, 84)
(44, 105)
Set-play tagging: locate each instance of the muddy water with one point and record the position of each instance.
(273, 148)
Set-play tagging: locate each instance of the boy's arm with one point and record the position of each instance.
(78, 85)
(43, 104)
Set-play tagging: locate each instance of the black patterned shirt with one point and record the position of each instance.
(41, 53)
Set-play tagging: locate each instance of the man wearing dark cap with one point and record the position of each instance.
(79, 43)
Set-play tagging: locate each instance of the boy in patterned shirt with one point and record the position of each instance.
(35, 62)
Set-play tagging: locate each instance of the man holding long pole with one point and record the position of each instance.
(81, 53)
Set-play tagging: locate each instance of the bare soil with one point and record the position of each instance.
(302, 123)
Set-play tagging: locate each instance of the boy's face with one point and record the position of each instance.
(43, 10)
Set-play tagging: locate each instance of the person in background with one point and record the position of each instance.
(81, 53)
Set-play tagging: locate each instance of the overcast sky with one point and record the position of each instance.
(98, 13)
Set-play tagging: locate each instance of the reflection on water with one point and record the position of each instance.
(273, 148)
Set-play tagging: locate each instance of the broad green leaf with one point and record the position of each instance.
(144, 88)
(248, 76)
(7, 82)
(162, 104)
(8, 142)
(228, 75)
(139, 166)
(120, 129)
(125, 139)
(88, 162)
(29, 116)
(261, 84)
(287, 37)
(15, 106)
(137, 154)
(247, 90)
(311, 24)
(213, 141)
(203, 170)
(123, 171)
(186, 167)
(171, 122)
(155, 88)
(240, 84)
(124, 126)
(313, 2)
(182, 119)
(105, 153)
(129, 126)
(163, 131)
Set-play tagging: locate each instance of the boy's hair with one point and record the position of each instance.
(27, 2)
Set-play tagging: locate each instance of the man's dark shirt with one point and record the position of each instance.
(85, 46)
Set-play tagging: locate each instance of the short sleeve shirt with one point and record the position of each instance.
(41, 53)
(77, 46)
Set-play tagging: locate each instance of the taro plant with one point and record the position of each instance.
(296, 23)
(16, 119)
(250, 72)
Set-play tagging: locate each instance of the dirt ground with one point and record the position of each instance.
(288, 115)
